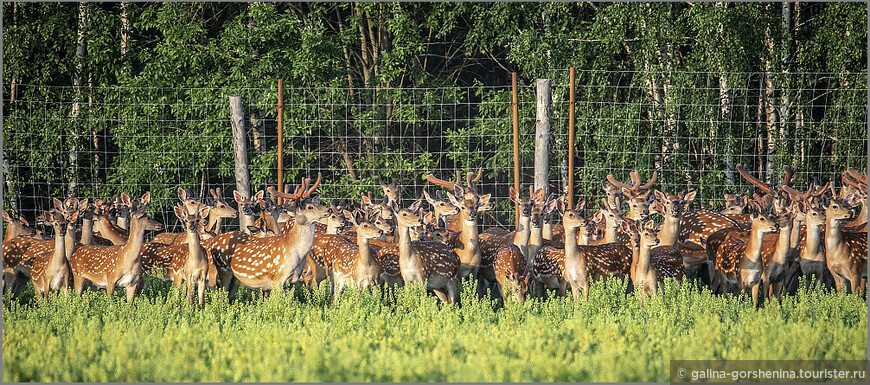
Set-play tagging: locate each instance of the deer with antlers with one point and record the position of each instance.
(637, 195)
(858, 183)
(268, 263)
(468, 201)
(111, 266)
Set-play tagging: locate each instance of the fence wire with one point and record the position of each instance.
(690, 127)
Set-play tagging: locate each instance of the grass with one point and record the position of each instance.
(301, 336)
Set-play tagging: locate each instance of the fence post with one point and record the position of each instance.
(571, 140)
(516, 124)
(280, 137)
(542, 134)
(240, 153)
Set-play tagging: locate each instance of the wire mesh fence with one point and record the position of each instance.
(690, 127)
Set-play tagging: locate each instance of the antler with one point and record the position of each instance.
(301, 191)
(470, 181)
(650, 182)
(443, 183)
(861, 178)
(308, 192)
(763, 186)
(636, 187)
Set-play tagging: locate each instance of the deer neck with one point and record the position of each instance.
(271, 221)
(642, 253)
(669, 231)
(404, 243)
(535, 241)
(452, 222)
(123, 222)
(584, 239)
(523, 232)
(194, 250)
(70, 240)
(813, 244)
(130, 251)
(214, 223)
(572, 250)
(783, 243)
(833, 234)
(332, 228)
(59, 249)
(547, 231)
(109, 231)
(753, 249)
(13, 230)
(795, 240)
(468, 238)
(246, 220)
(365, 253)
(87, 231)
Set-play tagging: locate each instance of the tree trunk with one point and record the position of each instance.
(725, 96)
(77, 104)
(258, 132)
(770, 111)
(542, 135)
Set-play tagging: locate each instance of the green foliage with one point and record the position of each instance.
(301, 336)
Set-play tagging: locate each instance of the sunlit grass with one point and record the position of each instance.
(302, 336)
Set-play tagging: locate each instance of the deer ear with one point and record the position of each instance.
(6, 217)
(146, 199)
(259, 195)
(689, 197)
(599, 215)
(83, 205)
(625, 226)
(580, 205)
(484, 201)
(658, 207)
(428, 198)
(650, 225)
(513, 194)
(180, 212)
(628, 193)
(660, 196)
(203, 212)
(238, 197)
(539, 195)
(415, 207)
(73, 216)
(366, 200)
(58, 205)
(454, 200)
(181, 194)
(24, 221)
(395, 207)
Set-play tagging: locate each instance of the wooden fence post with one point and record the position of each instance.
(542, 134)
(570, 192)
(240, 152)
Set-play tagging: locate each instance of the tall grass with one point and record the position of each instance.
(301, 336)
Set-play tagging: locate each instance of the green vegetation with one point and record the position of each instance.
(298, 336)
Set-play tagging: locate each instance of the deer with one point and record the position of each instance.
(468, 201)
(511, 272)
(322, 255)
(612, 219)
(249, 208)
(845, 252)
(738, 263)
(16, 228)
(555, 269)
(520, 237)
(50, 270)
(433, 264)
(111, 266)
(391, 192)
(636, 194)
(121, 212)
(536, 234)
(735, 205)
(355, 261)
(192, 265)
(644, 275)
(811, 258)
(858, 182)
(268, 263)
(668, 254)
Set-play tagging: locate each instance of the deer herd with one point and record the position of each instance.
(291, 237)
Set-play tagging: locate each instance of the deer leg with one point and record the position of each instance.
(563, 287)
(754, 289)
(190, 291)
(442, 295)
(575, 290)
(201, 294)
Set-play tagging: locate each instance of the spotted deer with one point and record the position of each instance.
(536, 233)
(845, 252)
(549, 230)
(668, 254)
(322, 255)
(511, 272)
(612, 220)
(268, 263)
(355, 262)
(811, 258)
(13, 247)
(519, 237)
(555, 269)
(738, 263)
(16, 228)
(191, 265)
(121, 211)
(644, 275)
(434, 264)
(469, 202)
(391, 192)
(50, 270)
(111, 266)
(858, 183)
